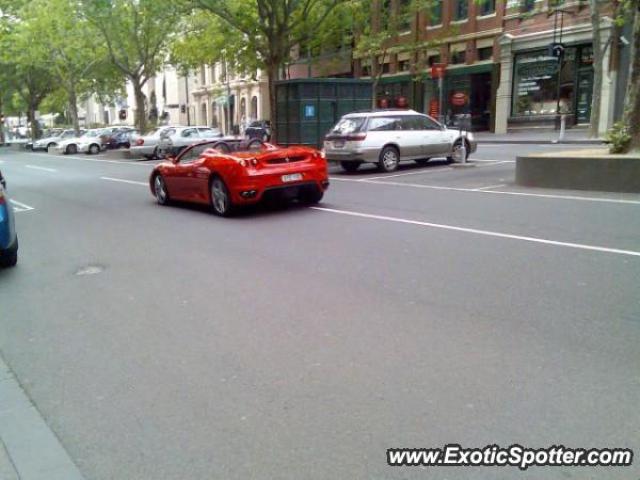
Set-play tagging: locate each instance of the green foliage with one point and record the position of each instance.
(619, 138)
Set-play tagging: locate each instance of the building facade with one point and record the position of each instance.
(496, 55)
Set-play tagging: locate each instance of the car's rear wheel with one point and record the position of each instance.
(160, 190)
(72, 149)
(220, 198)
(158, 153)
(389, 159)
(422, 161)
(350, 166)
(94, 149)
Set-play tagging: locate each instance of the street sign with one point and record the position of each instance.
(438, 70)
(459, 99)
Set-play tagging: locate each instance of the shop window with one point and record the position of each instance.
(537, 88)
(460, 9)
(485, 53)
(458, 57)
(486, 7)
(432, 59)
(435, 15)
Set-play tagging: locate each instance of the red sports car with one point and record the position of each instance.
(226, 175)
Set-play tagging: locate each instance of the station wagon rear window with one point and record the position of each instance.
(349, 125)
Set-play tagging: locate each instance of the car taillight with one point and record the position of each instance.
(249, 162)
(356, 137)
(2, 197)
(140, 141)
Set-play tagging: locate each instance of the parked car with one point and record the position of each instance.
(120, 139)
(89, 142)
(116, 137)
(52, 141)
(204, 174)
(388, 137)
(259, 129)
(8, 236)
(174, 140)
(147, 145)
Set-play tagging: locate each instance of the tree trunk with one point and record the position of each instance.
(632, 112)
(141, 114)
(35, 129)
(272, 74)
(73, 110)
(598, 70)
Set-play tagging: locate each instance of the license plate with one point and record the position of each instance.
(292, 177)
(338, 144)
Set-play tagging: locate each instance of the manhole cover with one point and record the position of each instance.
(89, 270)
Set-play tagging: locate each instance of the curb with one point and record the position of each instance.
(33, 449)
(541, 142)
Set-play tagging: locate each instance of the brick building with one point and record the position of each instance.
(496, 53)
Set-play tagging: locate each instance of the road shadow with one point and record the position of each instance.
(367, 169)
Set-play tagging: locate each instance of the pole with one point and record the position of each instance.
(440, 99)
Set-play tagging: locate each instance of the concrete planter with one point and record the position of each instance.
(593, 169)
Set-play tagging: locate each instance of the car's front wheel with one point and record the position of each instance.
(72, 149)
(220, 198)
(389, 159)
(9, 258)
(94, 149)
(350, 166)
(456, 155)
(160, 190)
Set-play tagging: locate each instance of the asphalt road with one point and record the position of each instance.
(414, 309)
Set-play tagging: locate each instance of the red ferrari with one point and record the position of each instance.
(226, 175)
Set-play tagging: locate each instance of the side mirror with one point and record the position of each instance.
(3, 182)
(172, 158)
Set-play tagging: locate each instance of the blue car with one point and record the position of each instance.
(8, 236)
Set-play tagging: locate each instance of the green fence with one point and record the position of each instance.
(306, 109)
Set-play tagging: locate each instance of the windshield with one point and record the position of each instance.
(93, 133)
(349, 125)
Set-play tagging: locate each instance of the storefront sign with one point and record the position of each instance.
(459, 99)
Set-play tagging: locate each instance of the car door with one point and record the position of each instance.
(191, 178)
(434, 139)
(410, 136)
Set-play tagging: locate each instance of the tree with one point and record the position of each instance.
(378, 28)
(137, 34)
(632, 111)
(599, 51)
(270, 29)
(65, 43)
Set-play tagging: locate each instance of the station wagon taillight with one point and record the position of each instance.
(356, 137)
(140, 141)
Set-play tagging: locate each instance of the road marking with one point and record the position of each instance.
(122, 180)
(20, 207)
(488, 233)
(44, 169)
(497, 192)
(100, 160)
(489, 187)
(427, 170)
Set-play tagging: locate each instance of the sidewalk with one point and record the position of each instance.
(571, 136)
(29, 450)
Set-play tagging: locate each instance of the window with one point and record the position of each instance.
(203, 75)
(535, 85)
(458, 57)
(386, 67)
(384, 124)
(193, 154)
(404, 65)
(485, 53)
(190, 132)
(419, 122)
(460, 9)
(435, 15)
(404, 15)
(348, 125)
(209, 132)
(486, 7)
(432, 59)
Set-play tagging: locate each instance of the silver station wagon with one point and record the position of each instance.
(388, 137)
